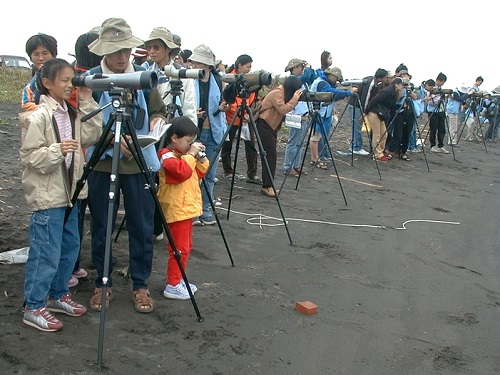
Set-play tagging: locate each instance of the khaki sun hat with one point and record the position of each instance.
(166, 37)
(203, 54)
(114, 35)
(293, 63)
(336, 72)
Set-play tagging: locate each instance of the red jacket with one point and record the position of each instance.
(233, 107)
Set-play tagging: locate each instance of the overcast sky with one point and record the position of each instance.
(428, 36)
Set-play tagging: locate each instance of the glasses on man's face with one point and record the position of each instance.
(156, 47)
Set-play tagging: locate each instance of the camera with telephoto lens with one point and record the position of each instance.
(440, 91)
(106, 82)
(409, 86)
(355, 82)
(310, 96)
(171, 71)
(249, 79)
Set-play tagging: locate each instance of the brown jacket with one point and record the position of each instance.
(274, 107)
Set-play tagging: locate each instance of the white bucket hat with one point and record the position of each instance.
(166, 37)
(203, 55)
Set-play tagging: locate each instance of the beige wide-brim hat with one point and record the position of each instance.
(114, 35)
(203, 54)
(166, 37)
(293, 63)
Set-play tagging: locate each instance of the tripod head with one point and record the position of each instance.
(175, 90)
(121, 98)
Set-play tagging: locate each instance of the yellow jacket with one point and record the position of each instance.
(179, 190)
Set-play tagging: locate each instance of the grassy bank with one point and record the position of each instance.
(12, 83)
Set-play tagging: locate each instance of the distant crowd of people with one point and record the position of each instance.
(204, 119)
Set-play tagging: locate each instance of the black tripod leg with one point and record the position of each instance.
(447, 127)
(482, 135)
(122, 224)
(327, 144)
(297, 152)
(239, 113)
(205, 186)
(365, 126)
(113, 190)
(464, 123)
(99, 148)
(268, 169)
(139, 157)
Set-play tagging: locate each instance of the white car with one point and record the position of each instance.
(12, 61)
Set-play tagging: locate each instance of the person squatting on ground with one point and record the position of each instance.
(295, 145)
(211, 121)
(326, 83)
(52, 162)
(242, 65)
(183, 164)
(436, 111)
(377, 112)
(115, 43)
(277, 103)
(40, 48)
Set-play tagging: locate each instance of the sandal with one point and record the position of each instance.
(405, 157)
(143, 302)
(96, 299)
(320, 164)
(298, 172)
(388, 155)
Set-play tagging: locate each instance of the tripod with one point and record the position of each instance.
(408, 117)
(315, 118)
(242, 110)
(122, 101)
(472, 109)
(174, 108)
(439, 115)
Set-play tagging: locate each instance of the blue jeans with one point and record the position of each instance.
(412, 138)
(356, 135)
(295, 147)
(139, 212)
(54, 247)
(210, 149)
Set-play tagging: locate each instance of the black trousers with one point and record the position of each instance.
(250, 153)
(437, 125)
(269, 138)
(400, 134)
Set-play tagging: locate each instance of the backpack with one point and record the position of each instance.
(493, 111)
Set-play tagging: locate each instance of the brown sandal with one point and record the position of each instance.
(143, 302)
(95, 301)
